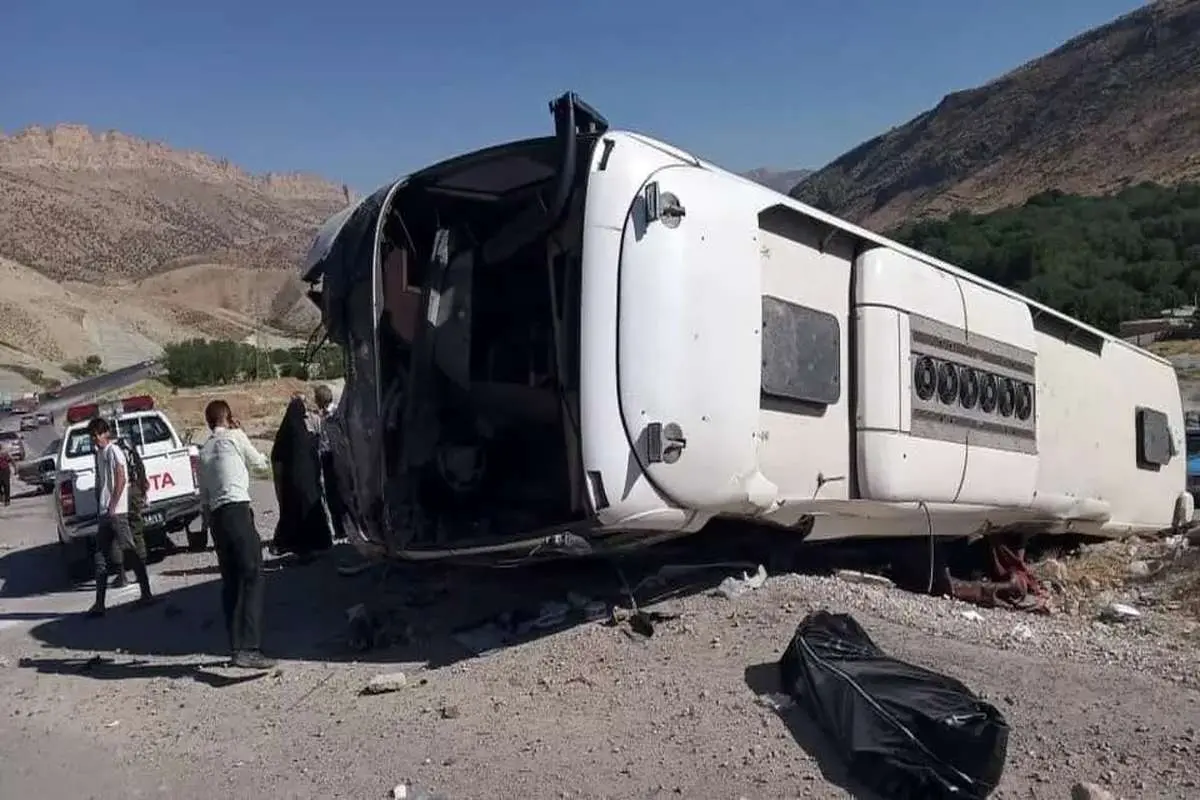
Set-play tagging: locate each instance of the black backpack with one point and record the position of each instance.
(135, 471)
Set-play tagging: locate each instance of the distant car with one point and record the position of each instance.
(29, 423)
(171, 465)
(44, 418)
(14, 444)
(40, 471)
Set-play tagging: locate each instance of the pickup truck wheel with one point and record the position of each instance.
(197, 540)
(76, 563)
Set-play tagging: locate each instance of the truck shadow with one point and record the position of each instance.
(39, 571)
(434, 615)
(31, 572)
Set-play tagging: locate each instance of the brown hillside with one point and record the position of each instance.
(138, 244)
(779, 180)
(1118, 104)
(101, 207)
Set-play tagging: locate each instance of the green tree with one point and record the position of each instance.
(203, 362)
(1101, 259)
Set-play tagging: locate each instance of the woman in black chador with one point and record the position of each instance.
(303, 526)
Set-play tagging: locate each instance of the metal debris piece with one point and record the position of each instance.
(854, 576)
(1010, 582)
(732, 587)
(1119, 612)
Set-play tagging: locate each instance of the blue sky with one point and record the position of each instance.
(364, 90)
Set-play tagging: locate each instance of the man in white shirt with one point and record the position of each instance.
(112, 492)
(225, 463)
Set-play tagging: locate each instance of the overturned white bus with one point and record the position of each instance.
(596, 340)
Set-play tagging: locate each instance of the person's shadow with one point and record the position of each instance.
(303, 611)
(104, 668)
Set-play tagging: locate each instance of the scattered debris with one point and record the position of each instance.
(1090, 791)
(405, 791)
(1157, 572)
(1139, 569)
(732, 587)
(640, 621)
(776, 701)
(112, 724)
(1009, 581)
(1022, 633)
(388, 682)
(972, 615)
(1052, 571)
(1119, 612)
(510, 627)
(669, 573)
(450, 712)
(854, 576)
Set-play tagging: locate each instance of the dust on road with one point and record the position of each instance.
(139, 704)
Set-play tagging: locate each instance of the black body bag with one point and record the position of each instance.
(903, 731)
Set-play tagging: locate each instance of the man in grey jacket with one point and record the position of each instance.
(225, 463)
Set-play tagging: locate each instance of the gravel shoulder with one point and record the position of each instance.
(139, 704)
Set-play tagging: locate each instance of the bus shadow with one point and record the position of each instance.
(433, 615)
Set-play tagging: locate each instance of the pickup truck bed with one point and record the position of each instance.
(173, 499)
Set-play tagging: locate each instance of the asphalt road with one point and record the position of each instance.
(37, 589)
(99, 384)
(37, 440)
(33, 586)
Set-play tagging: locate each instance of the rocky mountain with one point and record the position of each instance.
(1119, 104)
(781, 180)
(113, 245)
(99, 207)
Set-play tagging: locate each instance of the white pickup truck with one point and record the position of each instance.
(173, 499)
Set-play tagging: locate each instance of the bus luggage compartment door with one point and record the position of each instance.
(689, 337)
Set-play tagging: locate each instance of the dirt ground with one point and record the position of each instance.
(140, 704)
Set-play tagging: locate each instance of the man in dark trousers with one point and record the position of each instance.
(225, 463)
(5, 476)
(112, 526)
(323, 396)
